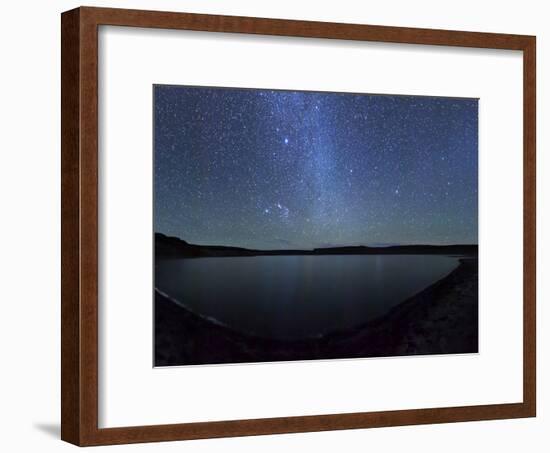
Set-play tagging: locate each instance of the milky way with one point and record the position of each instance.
(272, 169)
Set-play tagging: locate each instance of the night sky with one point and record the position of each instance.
(270, 169)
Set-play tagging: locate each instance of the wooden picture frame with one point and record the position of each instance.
(79, 138)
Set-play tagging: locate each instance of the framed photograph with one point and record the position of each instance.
(275, 226)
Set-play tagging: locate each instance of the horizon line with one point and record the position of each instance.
(328, 247)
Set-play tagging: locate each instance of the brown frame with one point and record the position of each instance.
(79, 165)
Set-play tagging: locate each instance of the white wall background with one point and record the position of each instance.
(30, 230)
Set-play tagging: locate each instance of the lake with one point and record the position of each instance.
(299, 296)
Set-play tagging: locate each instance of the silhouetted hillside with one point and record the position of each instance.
(172, 247)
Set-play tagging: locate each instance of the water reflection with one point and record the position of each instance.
(297, 296)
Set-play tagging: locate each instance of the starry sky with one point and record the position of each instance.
(271, 169)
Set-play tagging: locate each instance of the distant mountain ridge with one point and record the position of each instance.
(173, 247)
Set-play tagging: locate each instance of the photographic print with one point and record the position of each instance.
(300, 225)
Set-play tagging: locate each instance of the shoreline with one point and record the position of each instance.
(440, 319)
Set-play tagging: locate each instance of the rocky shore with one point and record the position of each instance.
(441, 319)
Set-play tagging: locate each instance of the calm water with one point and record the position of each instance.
(297, 296)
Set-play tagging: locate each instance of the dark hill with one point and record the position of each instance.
(172, 247)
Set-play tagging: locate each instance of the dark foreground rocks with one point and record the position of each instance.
(442, 319)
